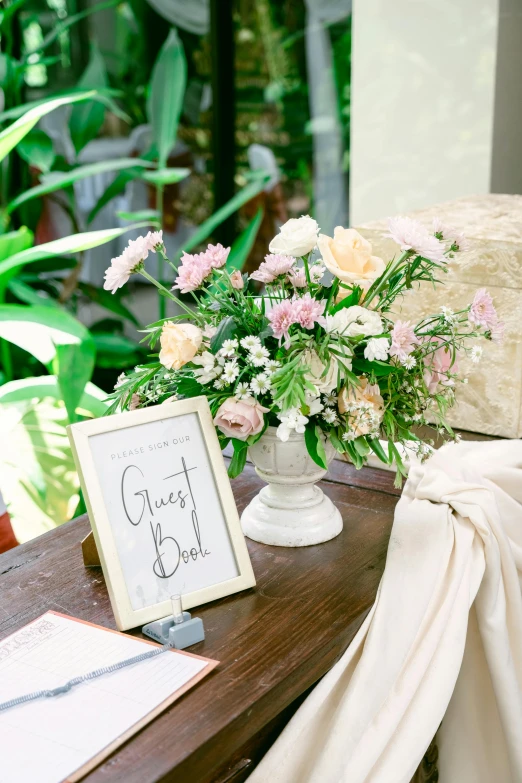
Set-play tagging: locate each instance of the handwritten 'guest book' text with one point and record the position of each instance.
(161, 509)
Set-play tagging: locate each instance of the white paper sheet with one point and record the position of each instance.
(49, 739)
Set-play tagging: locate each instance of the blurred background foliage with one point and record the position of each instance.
(207, 119)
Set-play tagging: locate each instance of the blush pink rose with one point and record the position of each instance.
(438, 365)
(240, 418)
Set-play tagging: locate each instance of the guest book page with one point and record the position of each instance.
(61, 738)
(164, 509)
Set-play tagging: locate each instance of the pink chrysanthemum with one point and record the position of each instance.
(309, 311)
(450, 235)
(297, 277)
(403, 340)
(482, 312)
(122, 267)
(191, 273)
(281, 318)
(216, 255)
(411, 235)
(272, 267)
(154, 239)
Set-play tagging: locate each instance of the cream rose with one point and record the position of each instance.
(348, 256)
(179, 344)
(354, 321)
(297, 237)
(323, 383)
(240, 418)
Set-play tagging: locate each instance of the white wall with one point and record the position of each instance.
(423, 102)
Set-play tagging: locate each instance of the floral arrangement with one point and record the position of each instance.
(319, 350)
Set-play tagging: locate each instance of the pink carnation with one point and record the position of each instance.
(403, 340)
(482, 311)
(272, 267)
(309, 311)
(281, 318)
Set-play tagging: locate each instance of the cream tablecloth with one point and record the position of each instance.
(443, 641)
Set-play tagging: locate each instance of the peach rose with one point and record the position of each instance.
(363, 417)
(348, 256)
(179, 344)
(240, 418)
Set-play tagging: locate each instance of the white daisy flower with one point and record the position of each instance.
(476, 354)
(220, 384)
(258, 356)
(330, 399)
(349, 436)
(229, 347)
(448, 314)
(250, 342)
(260, 384)
(272, 365)
(230, 372)
(330, 416)
(242, 391)
(409, 363)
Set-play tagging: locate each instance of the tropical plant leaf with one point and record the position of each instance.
(109, 301)
(56, 339)
(25, 293)
(115, 350)
(39, 480)
(93, 400)
(244, 243)
(87, 118)
(165, 176)
(57, 180)
(64, 246)
(145, 214)
(10, 244)
(167, 90)
(12, 135)
(208, 226)
(37, 150)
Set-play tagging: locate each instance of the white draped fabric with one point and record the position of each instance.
(442, 643)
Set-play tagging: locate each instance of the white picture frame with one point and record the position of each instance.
(122, 548)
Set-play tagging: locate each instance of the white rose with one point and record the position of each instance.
(297, 237)
(323, 383)
(377, 348)
(354, 321)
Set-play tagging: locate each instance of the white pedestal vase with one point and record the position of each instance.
(291, 510)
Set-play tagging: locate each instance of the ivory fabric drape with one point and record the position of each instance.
(442, 643)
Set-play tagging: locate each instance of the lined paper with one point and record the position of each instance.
(54, 739)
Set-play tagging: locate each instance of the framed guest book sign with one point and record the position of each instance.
(161, 509)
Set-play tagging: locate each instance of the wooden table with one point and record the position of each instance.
(274, 642)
